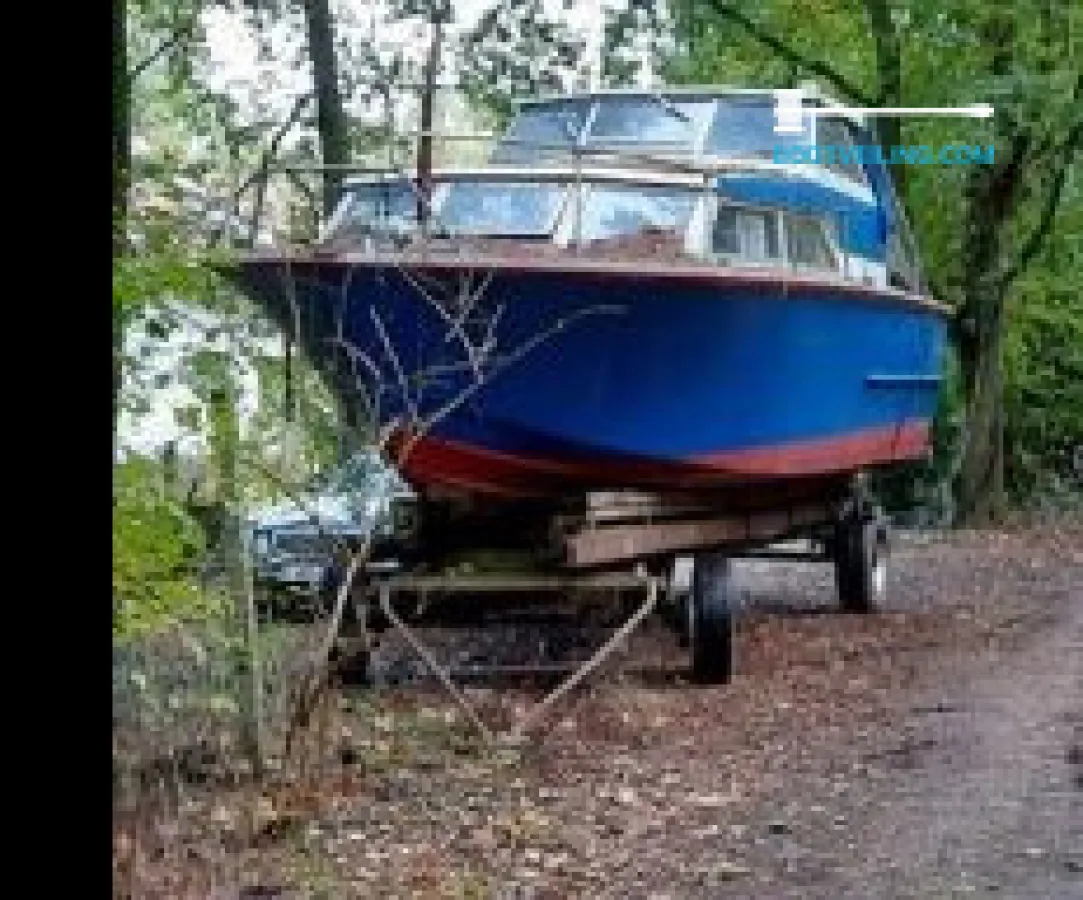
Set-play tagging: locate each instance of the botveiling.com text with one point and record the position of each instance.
(912, 155)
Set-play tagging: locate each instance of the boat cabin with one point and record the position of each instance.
(690, 175)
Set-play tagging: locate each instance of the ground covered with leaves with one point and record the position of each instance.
(930, 750)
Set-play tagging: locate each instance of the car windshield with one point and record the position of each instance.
(614, 210)
(361, 474)
(500, 209)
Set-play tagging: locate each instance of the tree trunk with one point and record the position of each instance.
(122, 153)
(235, 559)
(330, 114)
(993, 193)
(980, 490)
(424, 147)
(888, 80)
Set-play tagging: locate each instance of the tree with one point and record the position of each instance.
(512, 47)
(171, 32)
(1012, 207)
(331, 115)
(156, 544)
(121, 163)
(516, 49)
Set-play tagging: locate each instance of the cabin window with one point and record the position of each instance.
(650, 121)
(383, 208)
(745, 129)
(500, 209)
(745, 234)
(615, 210)
(807, 246)
(840, 153)
(542, 130)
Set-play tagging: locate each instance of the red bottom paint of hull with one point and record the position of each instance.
(429, 462)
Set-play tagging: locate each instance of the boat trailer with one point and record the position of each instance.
(621, 543)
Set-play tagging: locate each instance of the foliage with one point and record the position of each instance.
(725, 52)
(146, 281)
(1044, 389)
(281, 446)
(516, 49)
(156, 545)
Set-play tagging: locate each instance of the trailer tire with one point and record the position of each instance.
(711, 606)
(674, 609)
(860, 563)
(681, 610)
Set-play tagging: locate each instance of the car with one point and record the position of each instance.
(296, 541)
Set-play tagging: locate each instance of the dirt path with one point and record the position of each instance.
(984, 794)
(935, 761)
(924, 752)
(985, 798)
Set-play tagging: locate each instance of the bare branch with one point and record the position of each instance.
(259, 177)
(167, 46)
(400, 374)
(454, 324)
(470, 298)
(313, 687)
(263, 170)
(369, 391)
(510, 359)
(299, 183)
(467, 299)
(356, 355)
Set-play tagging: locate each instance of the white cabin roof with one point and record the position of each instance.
(812, 91)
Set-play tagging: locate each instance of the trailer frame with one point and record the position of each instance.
(630, 543)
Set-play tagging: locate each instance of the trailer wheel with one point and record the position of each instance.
(674, 611)
(712, 604)
(860, 563)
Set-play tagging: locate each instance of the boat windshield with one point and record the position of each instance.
(745, 129)
(648, 121)
(542, 130)
(500, 209)
(377, 208)
(616, 210)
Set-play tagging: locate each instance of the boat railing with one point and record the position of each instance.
(576, 164)
(581, 169)
(294, 210)
(579, 155)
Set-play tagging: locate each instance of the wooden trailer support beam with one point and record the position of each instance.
(625, 543)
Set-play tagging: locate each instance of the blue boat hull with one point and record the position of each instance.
(562, 379)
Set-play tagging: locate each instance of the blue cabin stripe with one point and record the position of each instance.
(861, 231)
